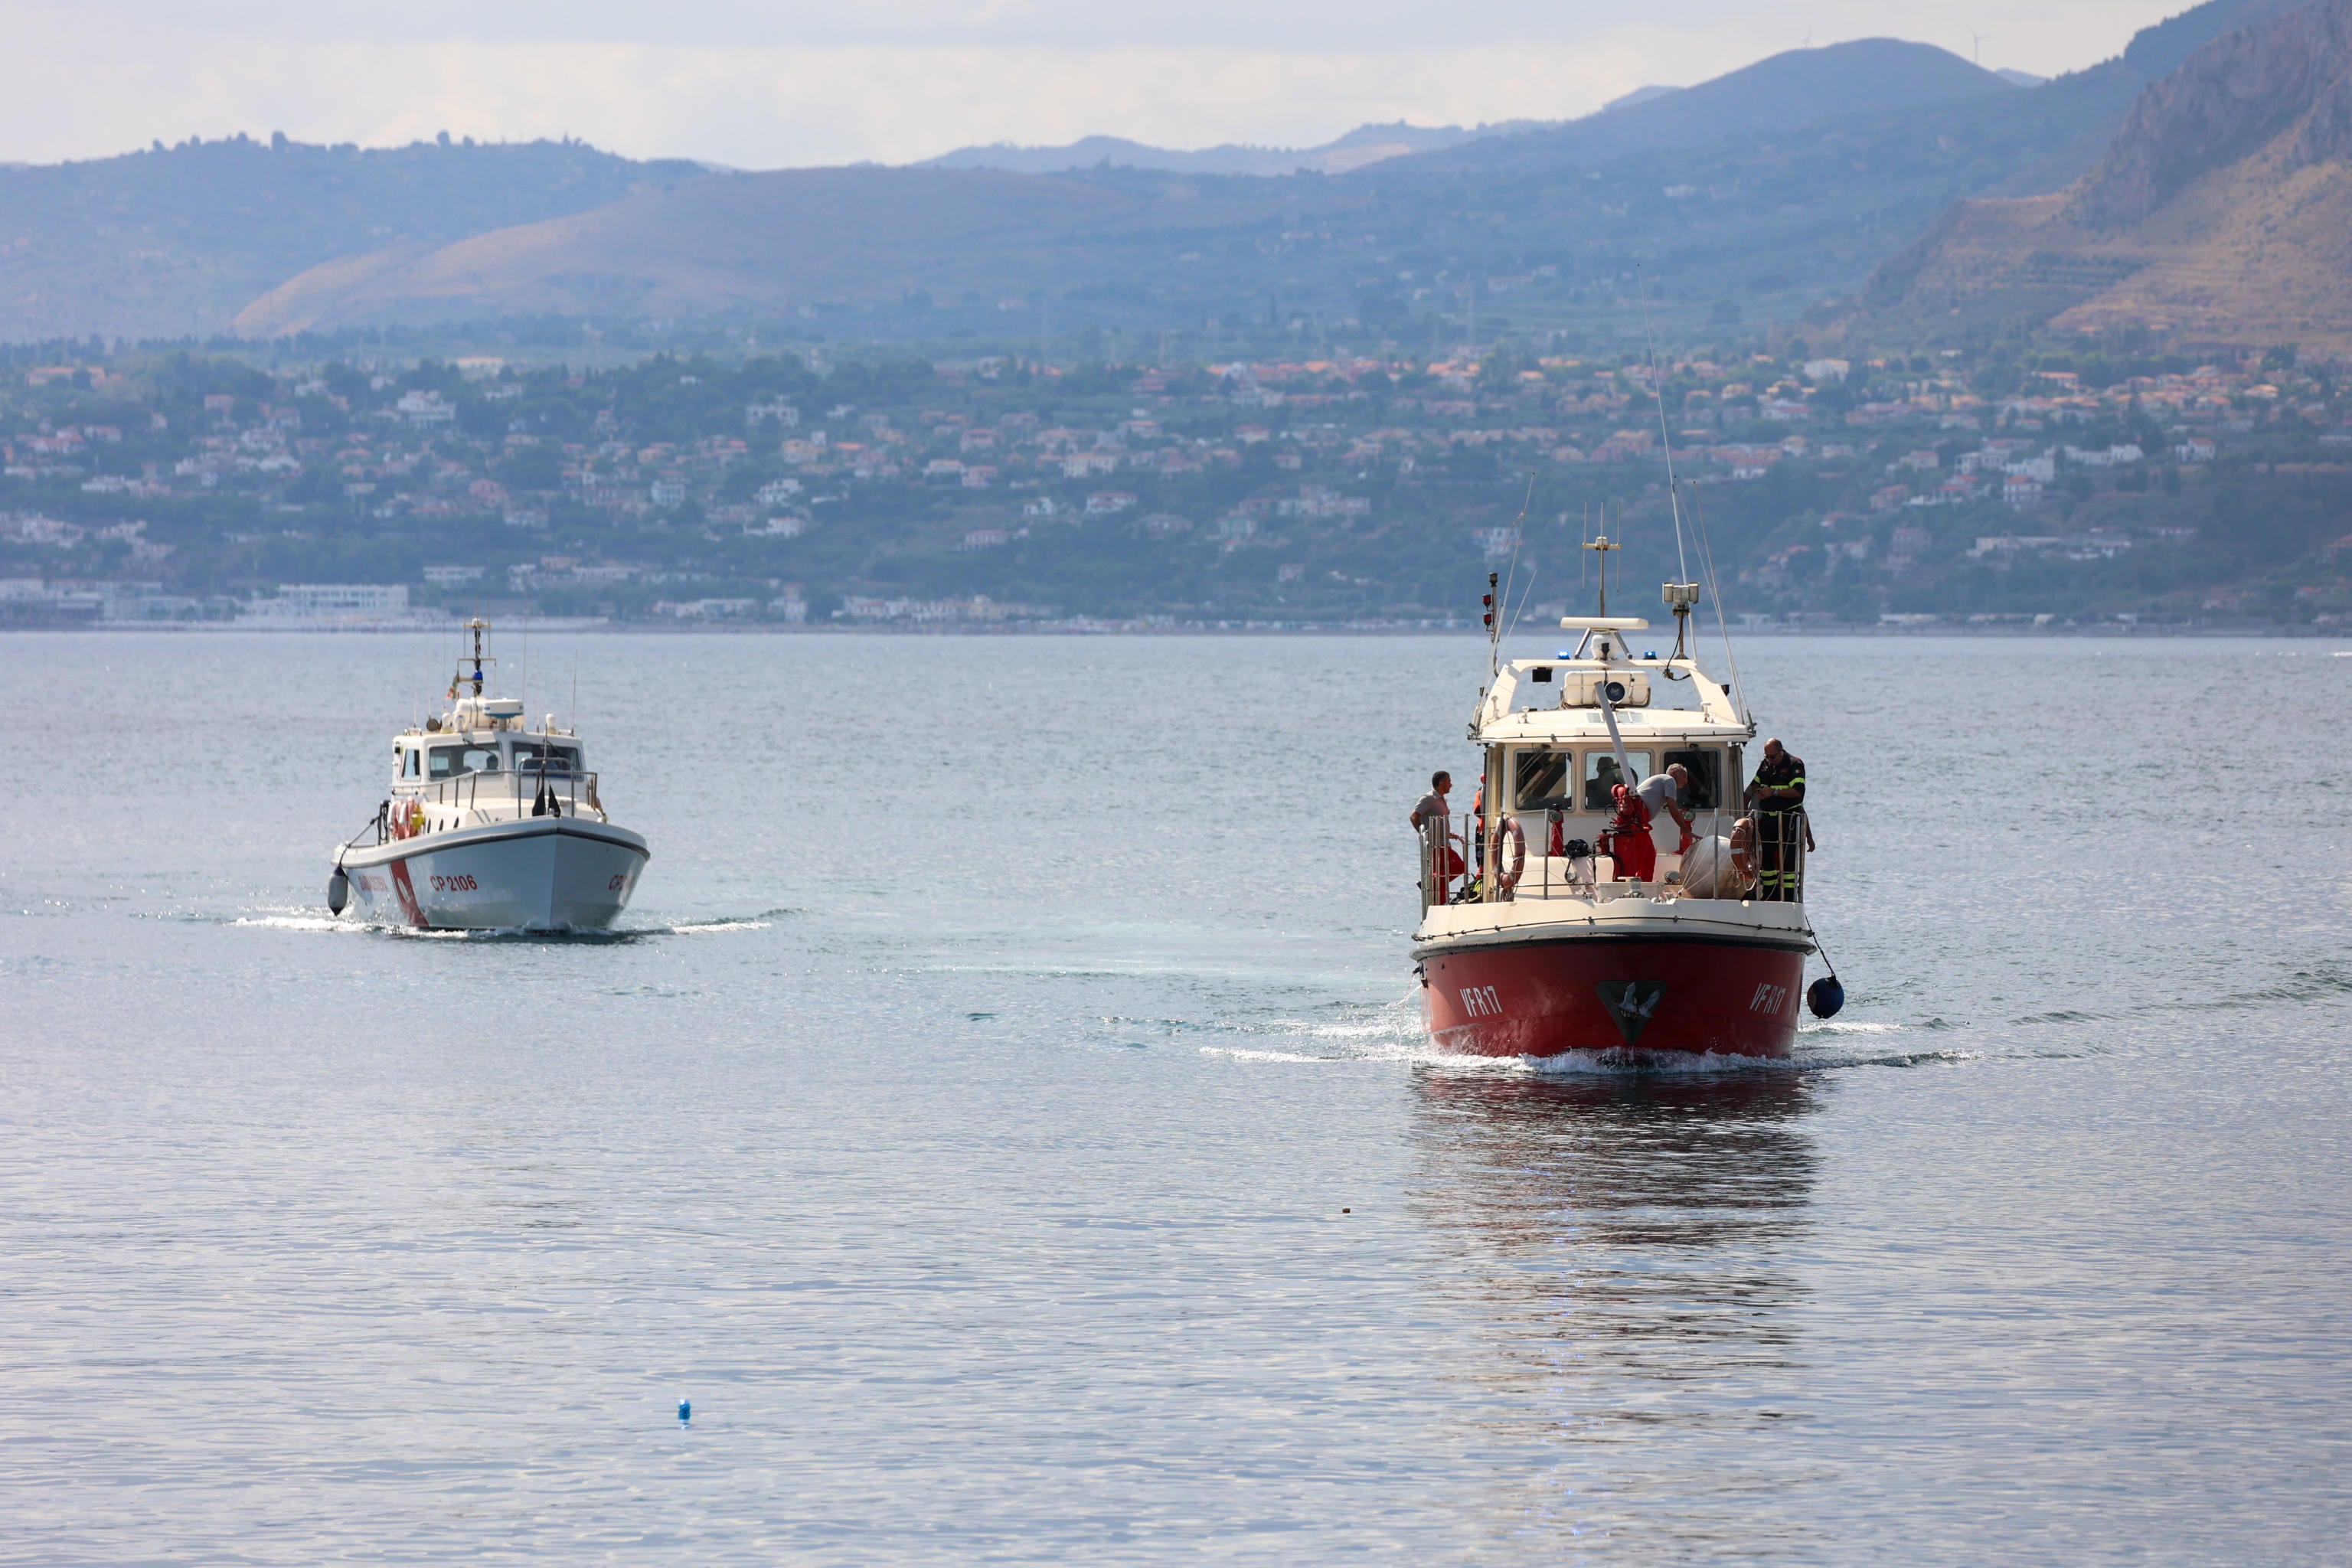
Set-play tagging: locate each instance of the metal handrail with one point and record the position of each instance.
(1466, 841)
(567, 792)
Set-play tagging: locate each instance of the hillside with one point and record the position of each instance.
(173, 241)
(761, 244)
(1800, 87)
(2221, 213)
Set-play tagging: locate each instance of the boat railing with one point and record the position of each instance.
(1550, 855)
(527, 791)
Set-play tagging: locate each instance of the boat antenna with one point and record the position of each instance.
(1583, 532)
(1715, 591)
(1526, 592)
(1600, 545)
(1511, 571)
(1665, 436)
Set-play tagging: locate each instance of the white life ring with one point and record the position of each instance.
(1743, 849)
(1507, 874)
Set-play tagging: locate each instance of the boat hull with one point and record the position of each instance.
(1643, 994)
(553, 874)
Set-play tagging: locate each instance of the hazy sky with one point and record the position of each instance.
(761, 86)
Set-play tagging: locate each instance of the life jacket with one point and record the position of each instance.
(1632, 817)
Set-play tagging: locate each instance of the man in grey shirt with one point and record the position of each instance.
(1663, 793)
(1443, 862)
(1433, 803)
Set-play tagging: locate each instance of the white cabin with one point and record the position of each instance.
(1550, 761)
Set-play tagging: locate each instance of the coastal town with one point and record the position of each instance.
(2014, 486)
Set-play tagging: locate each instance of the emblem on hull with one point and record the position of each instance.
(1631, 1005)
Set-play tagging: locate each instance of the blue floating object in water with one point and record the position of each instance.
(685, 1411)
(1825, 996)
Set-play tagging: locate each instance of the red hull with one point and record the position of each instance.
(1541, 998)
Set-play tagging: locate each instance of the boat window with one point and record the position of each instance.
(1601, 776)
(1539, 781)
(561, 759)
(1705, 765)
(449, 761)
(409, 758)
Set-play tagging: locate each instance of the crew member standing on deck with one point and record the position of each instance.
(1431, 810)
(1777, 795)
(1433, 804)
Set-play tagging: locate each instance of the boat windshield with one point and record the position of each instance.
(450, 762)
(559, 759)
(1705, 790)
(1601, 777)
(1542, 781)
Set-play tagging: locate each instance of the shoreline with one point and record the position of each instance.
(1085, 627)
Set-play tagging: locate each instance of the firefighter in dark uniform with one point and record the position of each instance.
(1776, 797)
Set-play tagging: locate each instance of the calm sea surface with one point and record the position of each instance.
(1008, 1121)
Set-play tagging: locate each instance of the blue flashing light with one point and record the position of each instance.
(1649, 653)
(1565, 653)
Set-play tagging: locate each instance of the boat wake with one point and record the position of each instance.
(1394, 1032)
(301, 923)
(345, 925)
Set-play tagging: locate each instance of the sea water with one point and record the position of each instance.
(1005, 1118)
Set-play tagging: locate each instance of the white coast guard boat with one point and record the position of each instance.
(489, 825)
(1557, 919)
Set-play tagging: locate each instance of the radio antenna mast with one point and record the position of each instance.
(1665, 438)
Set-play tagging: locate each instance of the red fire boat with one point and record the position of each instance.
(1555, 921)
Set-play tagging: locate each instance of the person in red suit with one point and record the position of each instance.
(1627, 839)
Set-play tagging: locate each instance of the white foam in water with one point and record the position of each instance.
(299, 923)
(1397, 1032)
(1616, 1063)
(1240, 1054)
(315, 922)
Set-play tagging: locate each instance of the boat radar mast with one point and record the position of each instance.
(478, 626)
(1600, 545)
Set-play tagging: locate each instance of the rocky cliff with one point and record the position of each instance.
(2222, 212)
(2227, 99)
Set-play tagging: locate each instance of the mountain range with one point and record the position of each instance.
(1769, 194)
(1801, 86)
(1359, 149)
